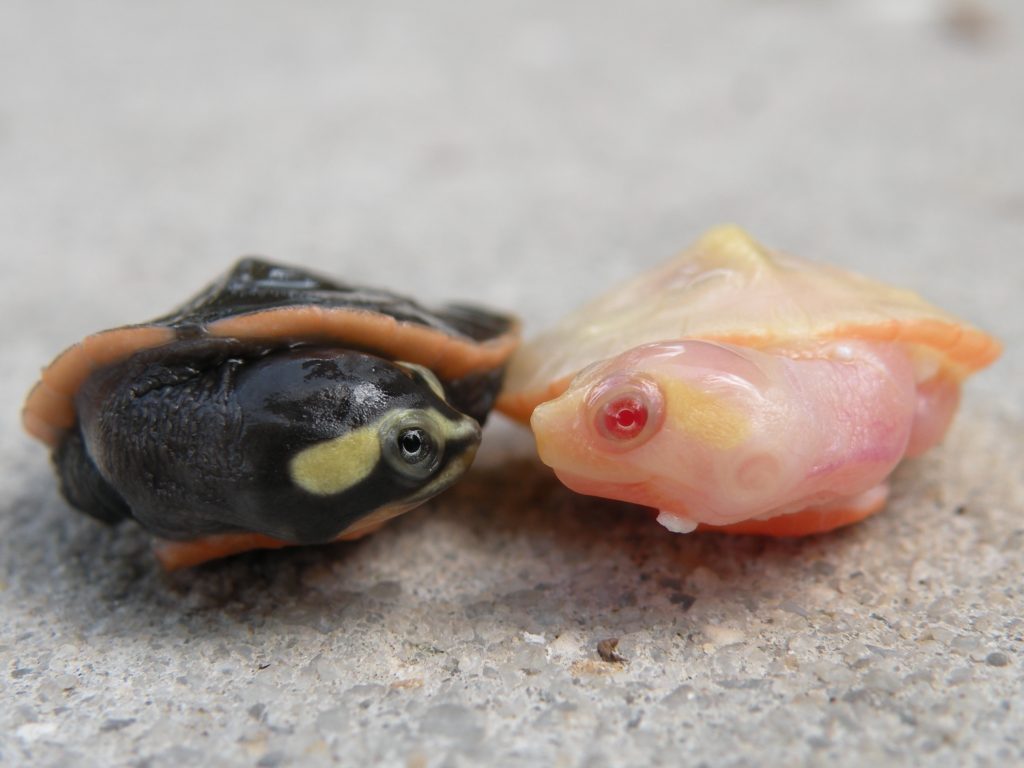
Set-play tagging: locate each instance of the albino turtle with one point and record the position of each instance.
(276, 407)
(744, 390)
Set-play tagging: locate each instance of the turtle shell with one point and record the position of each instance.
(276, 306)
(730, 289)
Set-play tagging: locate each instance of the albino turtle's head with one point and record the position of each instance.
(681, 426)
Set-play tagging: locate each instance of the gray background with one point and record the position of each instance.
(526, 155)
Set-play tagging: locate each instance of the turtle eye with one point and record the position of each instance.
(624, 418)
(626, 411)
(414, 445)
(410, 446)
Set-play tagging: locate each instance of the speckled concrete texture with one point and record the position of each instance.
(525, 155)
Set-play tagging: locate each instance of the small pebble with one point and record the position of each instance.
(606, 650)
(997, 659)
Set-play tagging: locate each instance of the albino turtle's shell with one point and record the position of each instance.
(729, 288)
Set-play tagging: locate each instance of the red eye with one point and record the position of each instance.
(626, 410)
(624, 418)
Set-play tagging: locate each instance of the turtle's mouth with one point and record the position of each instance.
(563, 443)
(632, 492)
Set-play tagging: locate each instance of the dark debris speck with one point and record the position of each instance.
(271, 760)
(606, 650)
(116, 724)
(683, 600)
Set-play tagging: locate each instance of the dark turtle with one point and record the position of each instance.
(276, 407)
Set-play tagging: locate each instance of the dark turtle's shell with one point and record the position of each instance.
(271, 305)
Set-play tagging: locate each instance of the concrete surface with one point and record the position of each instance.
(524, 154)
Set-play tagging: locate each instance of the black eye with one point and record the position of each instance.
(414, 445)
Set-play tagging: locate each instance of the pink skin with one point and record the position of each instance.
(733, 433)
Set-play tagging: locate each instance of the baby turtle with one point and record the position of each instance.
(276, 407)
(744, 390)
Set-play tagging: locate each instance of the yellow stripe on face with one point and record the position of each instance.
(704, 416)
(335, 465)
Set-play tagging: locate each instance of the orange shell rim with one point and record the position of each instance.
(49, 409)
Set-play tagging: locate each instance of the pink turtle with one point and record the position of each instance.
(739, 389)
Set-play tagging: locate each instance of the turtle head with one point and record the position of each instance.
(341, 441)
(681, 426)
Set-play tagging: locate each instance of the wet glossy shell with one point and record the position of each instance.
(268, 303)
(729, 288)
